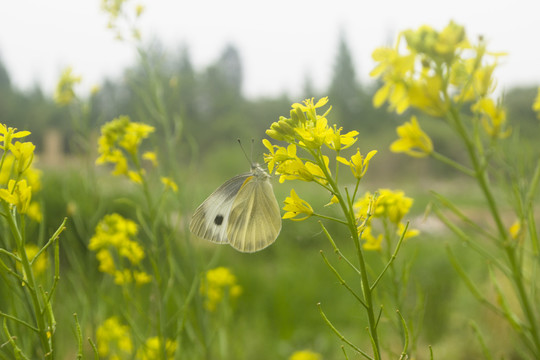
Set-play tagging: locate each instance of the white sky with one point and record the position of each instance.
(280, 41)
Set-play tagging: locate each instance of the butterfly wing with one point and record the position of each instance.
(210, 220)
(254, 221)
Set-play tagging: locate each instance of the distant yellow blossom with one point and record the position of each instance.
(305, 355)
(114, 339)
(151, 156)
(371, 242)
(493, 117)
(152, 348)
(216, 284)
(113, 241)
(412, 140)
(169, 183)
(536, 104)
(64, 93)
(121, 137)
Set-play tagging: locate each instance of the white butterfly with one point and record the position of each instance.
(243, 212)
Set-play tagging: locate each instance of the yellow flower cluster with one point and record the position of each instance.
(64, 93)
(18, 180)
(305, 355)
(218, 283)
(114, 245)
(437, 71)
(309, 131)
(114, 340)
(114, 343)
(121, 137)
(152, 349)
(116, 9)
(389, 206)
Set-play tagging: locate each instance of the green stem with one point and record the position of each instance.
(30, 280)
(351, 220)
(509, 248)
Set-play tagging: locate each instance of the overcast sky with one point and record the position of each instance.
(280, 41)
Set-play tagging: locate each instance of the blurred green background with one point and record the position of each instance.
(276, 313)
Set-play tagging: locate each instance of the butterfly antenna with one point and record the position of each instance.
(244, 151)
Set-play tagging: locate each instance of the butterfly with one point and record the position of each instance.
(243, 212)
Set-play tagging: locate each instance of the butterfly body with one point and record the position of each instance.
(243, 212)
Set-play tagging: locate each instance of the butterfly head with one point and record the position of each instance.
(258, 171)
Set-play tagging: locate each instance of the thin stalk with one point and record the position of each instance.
(341, 337)
(349, 215)
(32, 288)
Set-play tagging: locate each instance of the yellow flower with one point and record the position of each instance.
(64, 93)
(113, 338)
(113, 239)
(413, 141)
(493, 117)
(394, 69)
(278, 154)
(7, 134)
(294, 206)
(371, 242)
(151, 156)
(215, 284)
(118, 136)
(106, 261)
(34, 211)
(358, 163)
(392, 204)
(305, 355)
(536, 104)
(515, 229)
(410, 232)
(135, 176)
(24, 153)
(123, 277)
(152, 349)
(336, 141)
(141, 277)
(17, 194)
(169, 183)
(139, 9)
(427, 95)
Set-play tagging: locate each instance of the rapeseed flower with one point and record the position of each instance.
(152, 349)
(121, 137)
(65, 93)
(388, 206)
(536, 104)
(113, 339)
(113, 242)
(305, 355)
(358, 163)
(294, 206)
(493, 117)
(16, 164)
(17, 194)
(217, 284)
(412, 140)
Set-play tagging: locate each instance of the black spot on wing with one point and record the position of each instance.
(218, 220)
